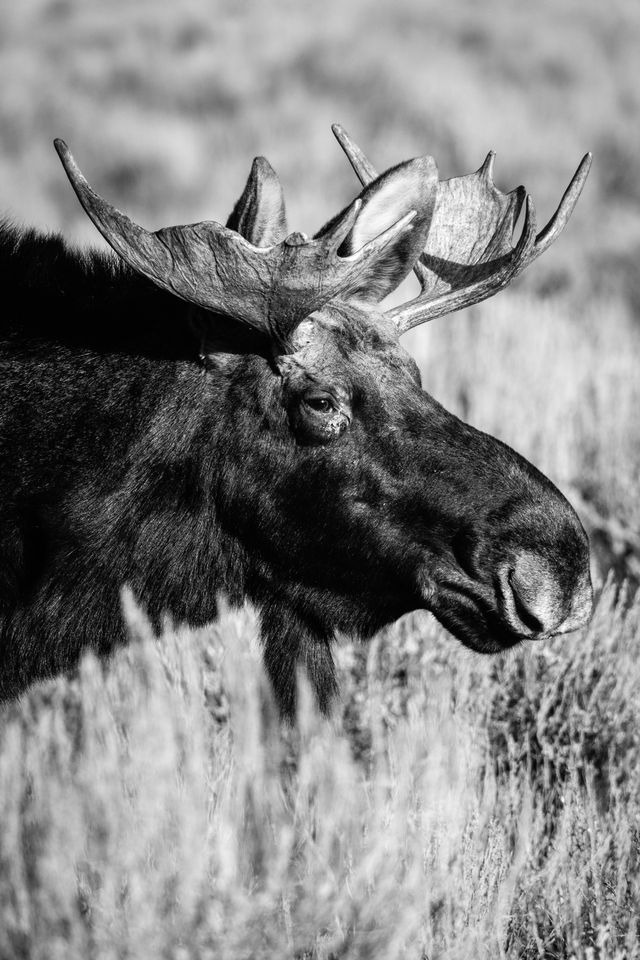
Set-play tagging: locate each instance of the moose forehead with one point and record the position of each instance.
(345, 345)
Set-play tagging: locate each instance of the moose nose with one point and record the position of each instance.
(535, 600)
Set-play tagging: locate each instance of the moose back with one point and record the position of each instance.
(228, 409)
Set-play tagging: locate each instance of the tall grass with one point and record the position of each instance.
(459, 807)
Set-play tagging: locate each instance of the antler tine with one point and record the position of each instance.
(376, 247)
(363, 168)
(112, 224)
(425, 308)
(341, 226)
(559, 220)
(352, 265)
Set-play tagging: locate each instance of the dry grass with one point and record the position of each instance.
(458, 807)
(455, 807)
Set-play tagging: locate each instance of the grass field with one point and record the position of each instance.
(455, 806)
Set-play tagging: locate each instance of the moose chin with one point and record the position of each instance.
(229, 410)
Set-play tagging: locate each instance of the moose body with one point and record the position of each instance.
(186, 448)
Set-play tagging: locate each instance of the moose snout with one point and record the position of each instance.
(540, 599)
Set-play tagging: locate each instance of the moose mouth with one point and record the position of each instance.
(491, 619)
(480, 630)
(475, 620)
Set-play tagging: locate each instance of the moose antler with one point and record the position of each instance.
(469, 254)
(270, 288)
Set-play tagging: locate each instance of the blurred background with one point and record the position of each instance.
(164, 107)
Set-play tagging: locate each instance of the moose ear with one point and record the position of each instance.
(411, 186)
(259, 215)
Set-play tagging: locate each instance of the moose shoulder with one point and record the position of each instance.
(228, 410)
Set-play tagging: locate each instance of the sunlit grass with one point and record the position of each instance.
(155, 807)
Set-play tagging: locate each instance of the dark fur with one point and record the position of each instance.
(125, 461)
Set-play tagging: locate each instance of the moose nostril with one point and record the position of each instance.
(524, 606)
(531, 596)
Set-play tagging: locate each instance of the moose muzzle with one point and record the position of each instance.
(535, 601)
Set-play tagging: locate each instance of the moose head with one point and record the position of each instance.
(325, 484)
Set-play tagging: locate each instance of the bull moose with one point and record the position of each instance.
(228, 410)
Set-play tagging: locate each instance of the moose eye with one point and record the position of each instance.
(318, 417)
(319, 404)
